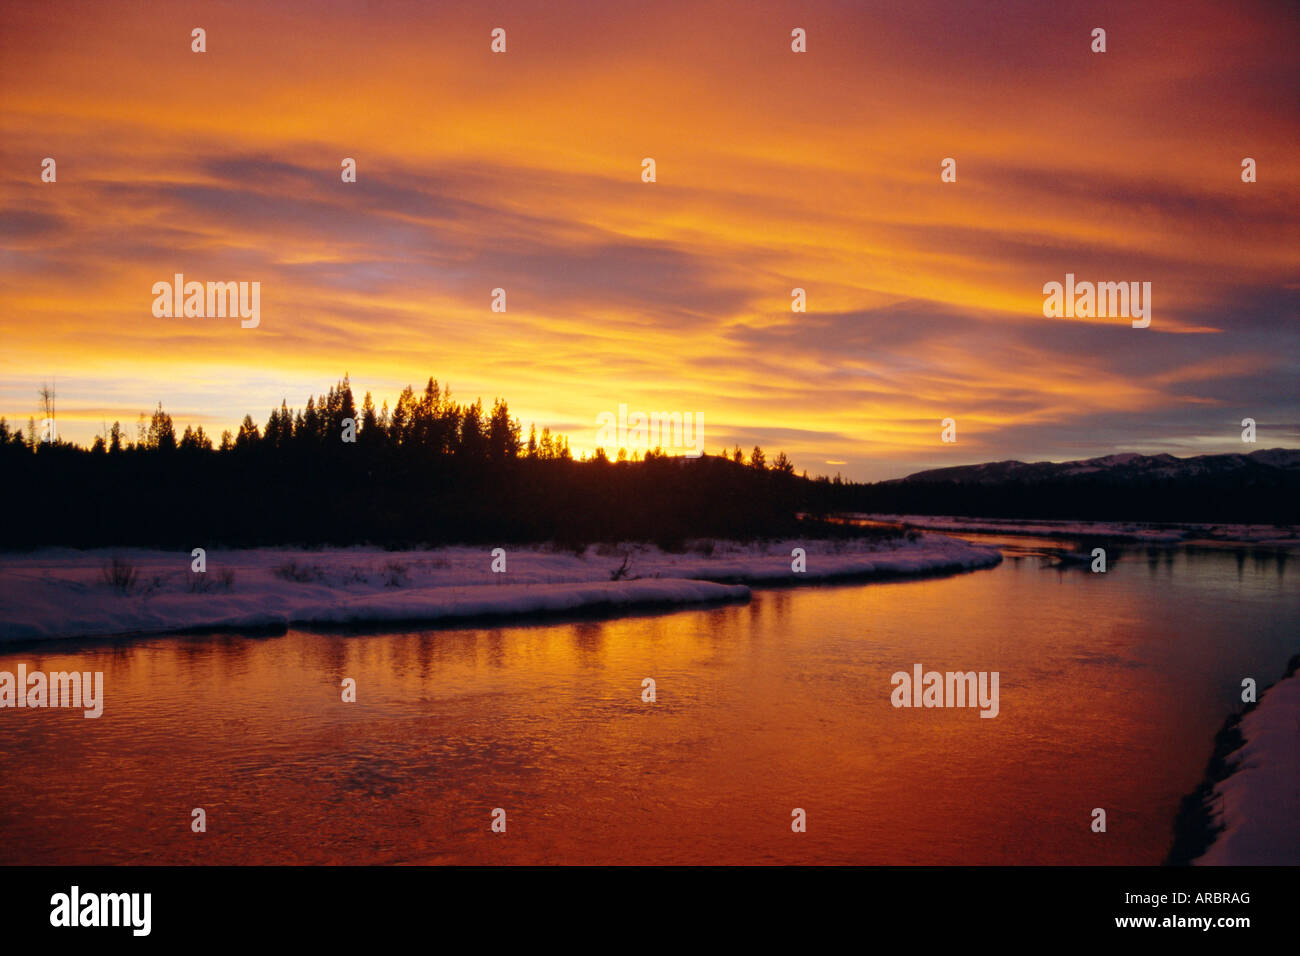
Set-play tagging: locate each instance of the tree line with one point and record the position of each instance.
(428, 470)
(434, 471)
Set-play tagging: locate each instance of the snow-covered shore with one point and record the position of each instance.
(1260, 534)
(1258, 803)
(61, 593)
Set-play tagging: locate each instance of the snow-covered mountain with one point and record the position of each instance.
(1120, 469)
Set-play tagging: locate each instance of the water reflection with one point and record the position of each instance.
(1112, 686)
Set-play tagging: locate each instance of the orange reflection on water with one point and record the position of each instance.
(1111, 688)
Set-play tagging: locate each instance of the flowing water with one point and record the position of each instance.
(1111, 689)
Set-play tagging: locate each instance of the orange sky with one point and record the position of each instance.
(775, 170)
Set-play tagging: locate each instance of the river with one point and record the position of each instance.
(1112, 687)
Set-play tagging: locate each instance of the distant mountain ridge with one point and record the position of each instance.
(1125, 468)
(1258, 487)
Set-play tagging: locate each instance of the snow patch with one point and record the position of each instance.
(1261, 534)
(61, 593)
(1258, 804)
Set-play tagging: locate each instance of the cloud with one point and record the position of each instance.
(776, 171)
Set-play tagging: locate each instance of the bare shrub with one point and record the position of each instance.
(621, 572)
(302, 574)
(204, 583)
(395, 575)
(119, 573)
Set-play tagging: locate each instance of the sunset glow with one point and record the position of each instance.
(774, 172)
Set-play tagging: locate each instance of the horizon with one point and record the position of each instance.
(632, 454)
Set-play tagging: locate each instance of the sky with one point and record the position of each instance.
(774, 170)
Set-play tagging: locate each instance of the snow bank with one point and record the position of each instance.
(1258, 804)
(58, 593)
(1262, 534)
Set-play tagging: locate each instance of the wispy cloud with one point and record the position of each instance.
(775, 171)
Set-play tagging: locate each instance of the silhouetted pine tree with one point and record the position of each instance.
(436, 471)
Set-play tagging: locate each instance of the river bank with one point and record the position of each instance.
(1246, 811)
(63, 593)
